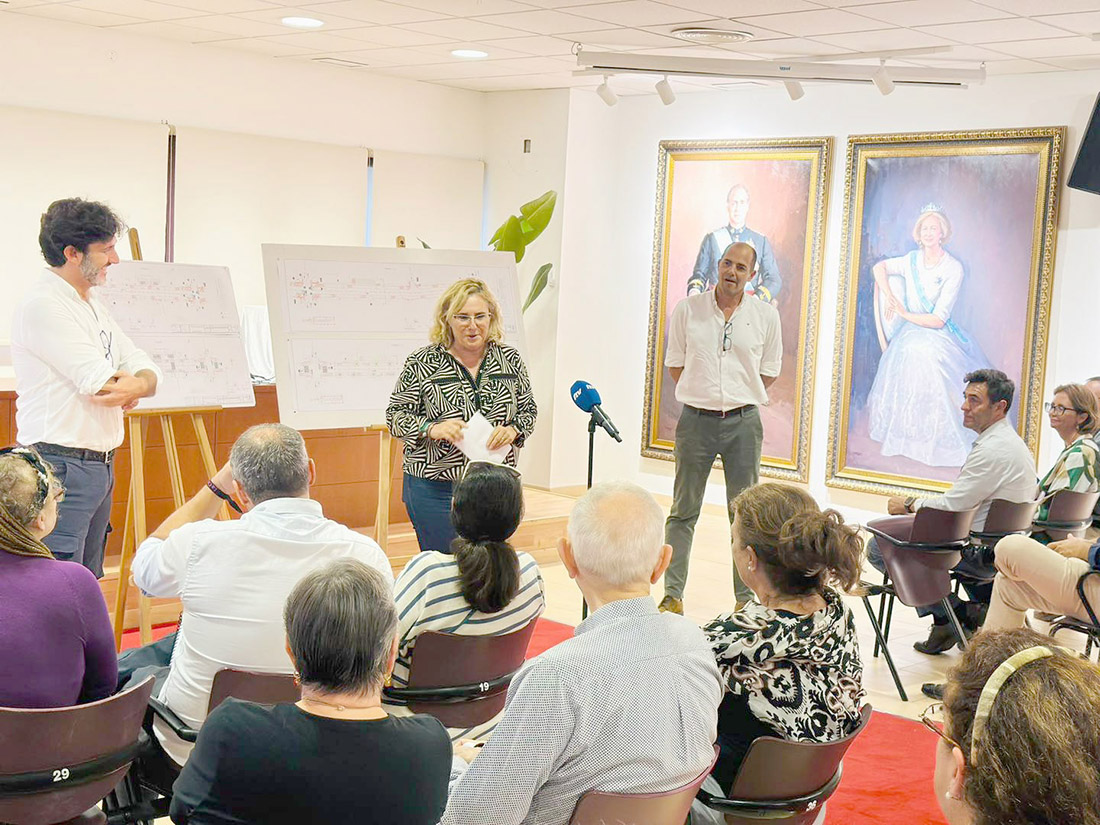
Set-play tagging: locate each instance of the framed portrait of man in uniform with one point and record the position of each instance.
(772, 195)
(946, 268)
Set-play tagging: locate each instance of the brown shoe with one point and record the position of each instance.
(670, 604)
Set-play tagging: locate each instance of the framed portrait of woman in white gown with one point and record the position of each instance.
(946, 268)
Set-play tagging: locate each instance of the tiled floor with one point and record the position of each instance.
(710, 592)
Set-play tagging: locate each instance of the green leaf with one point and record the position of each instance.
(511, 238)
(538, 284)
(536, 214)
(423, 244)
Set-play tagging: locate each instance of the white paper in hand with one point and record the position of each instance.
(475, 439)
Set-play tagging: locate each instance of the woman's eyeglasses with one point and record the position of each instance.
(1058, 409)
(932, 718)
(480, 318)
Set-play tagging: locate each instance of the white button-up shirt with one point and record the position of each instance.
(999, 466)
(233, 578)
(64, 349)
(723, 360)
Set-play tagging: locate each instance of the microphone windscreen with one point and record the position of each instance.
(584, 395)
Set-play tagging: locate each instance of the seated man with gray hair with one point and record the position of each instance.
(234, 576)
(628, 705)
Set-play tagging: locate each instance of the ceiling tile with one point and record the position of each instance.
(495, 52)
(332, 21)
(373, 11)
(813, 23)
(394, 57)
(232, 26)
(994, 31)
(1076, 63)
(1003, 67)
(493, 68)
(884, 40)
(1050, 47)
(141, 9)
(789, 47)
(545, 22)
(461, 29)
(621, 38)
(220, 6)
(393, 36)
(466, 8)
(544, 46)
(556, 4)
(965, 52)
(75, 14)
(1084, 23)
(744, 8)
(316, 41)
(638, 13)
(262, 47)
(1026, 8)
(173, 31)
(922, 12)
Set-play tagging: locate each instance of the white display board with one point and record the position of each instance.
(343, 320)
(185, 317)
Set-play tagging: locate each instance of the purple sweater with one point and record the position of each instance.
(56, 644)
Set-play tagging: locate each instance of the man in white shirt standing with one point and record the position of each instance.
(234, 576)
(999, 465)
(76, 373)
(723, 353)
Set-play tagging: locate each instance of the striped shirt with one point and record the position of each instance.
(429, 597)
(628, 705)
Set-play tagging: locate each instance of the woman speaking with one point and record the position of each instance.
(466, 370)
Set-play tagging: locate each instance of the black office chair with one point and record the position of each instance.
(1090, 629)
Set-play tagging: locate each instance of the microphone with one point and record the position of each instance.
(587, 398)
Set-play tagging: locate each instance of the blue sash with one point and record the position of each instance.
(926, 305)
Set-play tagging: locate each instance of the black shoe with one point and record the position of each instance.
(932, 690)
(940, 639)
(974, 617)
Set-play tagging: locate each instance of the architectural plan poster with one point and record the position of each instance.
(343, 320)
(185, 317)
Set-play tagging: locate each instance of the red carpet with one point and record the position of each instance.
(887, 772)
(132, 638)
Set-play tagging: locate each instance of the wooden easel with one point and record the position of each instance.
(136, 529)
(382, 514)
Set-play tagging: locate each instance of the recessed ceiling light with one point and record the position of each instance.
(708, 36)
(469, 54)
(302, 22)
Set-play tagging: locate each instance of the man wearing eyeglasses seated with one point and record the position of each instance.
(723, 353)
(76, 373)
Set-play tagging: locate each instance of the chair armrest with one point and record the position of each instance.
(767, 808)
(950, 546)
(453, 693)
(170, 718)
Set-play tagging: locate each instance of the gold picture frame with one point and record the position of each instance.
(996, 193)
(787, 183)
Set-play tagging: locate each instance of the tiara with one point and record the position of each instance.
(932, 207)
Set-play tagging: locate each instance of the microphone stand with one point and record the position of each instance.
(591, 453)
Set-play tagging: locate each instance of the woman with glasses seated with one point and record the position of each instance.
(1075, 417)
(335, 755)
(56, 644)
(1019, 734)
(485, 588)
(466, 370)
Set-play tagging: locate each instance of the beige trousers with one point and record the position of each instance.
(1030, 574)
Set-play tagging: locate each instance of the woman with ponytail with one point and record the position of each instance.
(483, 587)
(790, 658)
(56, 644)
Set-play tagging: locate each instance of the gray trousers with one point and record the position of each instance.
(738, 439)
(83, 518)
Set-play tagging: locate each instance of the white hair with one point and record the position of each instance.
(617, 532)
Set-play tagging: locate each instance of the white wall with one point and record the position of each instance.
(512, 179)
(50, 64)
(608, 243)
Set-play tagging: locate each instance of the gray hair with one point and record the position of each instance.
(270, 461)
(340, 624)
(617, 532)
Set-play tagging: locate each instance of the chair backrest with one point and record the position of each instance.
(922, 575)
(780, 769)
(62, 740)
(265, 688)
(1007, 517)
(666, 808)
(441, 660)
(1072, 511)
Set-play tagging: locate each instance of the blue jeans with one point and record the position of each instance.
(83, 518)
(428, 502)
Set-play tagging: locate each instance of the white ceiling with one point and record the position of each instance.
(530, 42)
